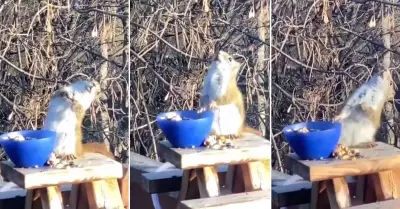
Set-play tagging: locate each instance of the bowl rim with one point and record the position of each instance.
(30, 141)
(158, 117)
(334, 126)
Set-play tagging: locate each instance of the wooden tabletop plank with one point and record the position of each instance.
(256, 199)
(249, 149)
(94, 167)
(167, 181)
(388, 204)
(373, 160)
(142, 163)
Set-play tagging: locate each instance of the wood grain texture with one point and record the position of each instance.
(249, 149)
(385, 185)
(314, 194)
(142, 163)
(388, 204)
(256, 175)
(102, 195)
(230, 177)
(381, 158)
(51, 198)
(73, 196)
(207, 179)
(257, 199)
(338, 193)
(94, 167)
(123, 184)
(29, 199)
(184, 185)
(168, 181)
(360, 190)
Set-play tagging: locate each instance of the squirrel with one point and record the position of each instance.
(361, 114)
(65, 116)
(221, 94)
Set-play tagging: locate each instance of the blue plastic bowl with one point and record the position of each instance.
(186, 133)
(317, 144)
(34, 151)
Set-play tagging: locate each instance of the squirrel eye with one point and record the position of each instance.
(230, 59)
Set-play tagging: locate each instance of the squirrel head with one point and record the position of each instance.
(225, 63)
(85, 92)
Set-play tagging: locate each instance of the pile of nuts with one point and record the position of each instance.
(174, 117)
(14, 137)
(55, 162)
(344, 153)
(219, 143)
(303, 130)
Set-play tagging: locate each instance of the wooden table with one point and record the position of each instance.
(379, 165)
(95, 180)
(251, 155)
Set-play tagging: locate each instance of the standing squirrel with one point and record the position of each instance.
(222, 96)
(361, 114)
(65, 116)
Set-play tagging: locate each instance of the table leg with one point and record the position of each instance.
(73, 196)
(189, 187)
(208, 182)
(256, 175)
(104, 194)
(385, 185)
(234, 182)
(360, 190)
(230, 177)
(338, 193)
(314, 195)
(51, 198)
(124, 186)
(29, 199)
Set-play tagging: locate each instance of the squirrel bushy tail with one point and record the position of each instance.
(248, 129)
(97, 148)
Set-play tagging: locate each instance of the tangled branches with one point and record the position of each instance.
(172, 43)
(44, 44)
(323, 50)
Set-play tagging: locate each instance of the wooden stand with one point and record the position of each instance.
(96, 180)
(251, 156)
(378, 164)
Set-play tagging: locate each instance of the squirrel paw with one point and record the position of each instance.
(67, 157)
(67, 95)
(337, 118)
(233, 136)
(367, 145)
(212, 105)
(372, 144)
(202, 109)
